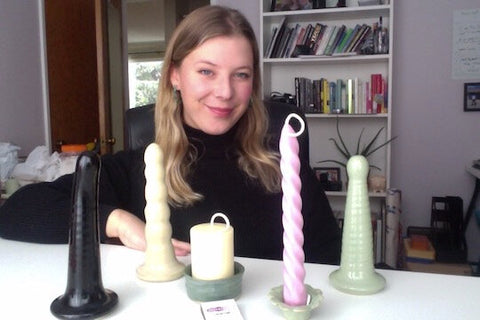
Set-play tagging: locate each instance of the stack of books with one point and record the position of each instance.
(419, 249)
(318, 39)
(347, 96)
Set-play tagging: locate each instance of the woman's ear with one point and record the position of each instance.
(174, 78)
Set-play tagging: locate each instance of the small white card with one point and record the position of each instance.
(221, 310)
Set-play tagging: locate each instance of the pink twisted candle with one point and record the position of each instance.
(294, 292)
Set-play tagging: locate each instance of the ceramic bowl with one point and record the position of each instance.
(211, 290)
(315, 297)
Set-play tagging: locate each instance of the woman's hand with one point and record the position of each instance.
(128, 228)
(131, 232)
(181, 248)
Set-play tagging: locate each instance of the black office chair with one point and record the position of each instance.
(140, 126)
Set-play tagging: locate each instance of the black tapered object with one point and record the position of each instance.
(85, 297)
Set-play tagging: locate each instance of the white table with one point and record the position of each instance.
(33, 275)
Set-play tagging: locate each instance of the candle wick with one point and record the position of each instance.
(302, 124)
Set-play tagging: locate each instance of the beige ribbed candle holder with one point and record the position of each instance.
(160, 261)
(356, 274)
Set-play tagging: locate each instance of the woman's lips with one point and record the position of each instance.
(222, 112)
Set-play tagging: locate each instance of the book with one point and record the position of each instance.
(332, 87)
(292, 41)
(308, 34)
(314, 37)
(368, 98)
(355, 38)
(350, 97)
(317, 95)
(323, 43)
(331, 40)
(356, 47)
(338, 36)
(303, 92)
(284, 43)
(277, 52)
(343, 41)
(358, 94)
(297, 91)
(339, 100)
(301, 36)
(350, 37)
(424, 255)
(326, 96)
(276, 42)
(309, 104)
(269, 49)
(319, 38)
(376, 92)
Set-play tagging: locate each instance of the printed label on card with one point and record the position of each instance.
(221, 310)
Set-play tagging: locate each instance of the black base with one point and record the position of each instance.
(96, 306)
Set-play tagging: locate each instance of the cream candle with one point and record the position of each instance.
(212, 249)
(294, 291)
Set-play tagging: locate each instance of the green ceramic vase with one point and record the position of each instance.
(357, 274)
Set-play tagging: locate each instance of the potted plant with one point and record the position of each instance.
(364, 149)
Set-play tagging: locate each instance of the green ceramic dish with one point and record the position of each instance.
(211, 290)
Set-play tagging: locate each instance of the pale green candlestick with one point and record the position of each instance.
(357, 274)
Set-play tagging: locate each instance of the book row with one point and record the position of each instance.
(326, 40)
(342, 96)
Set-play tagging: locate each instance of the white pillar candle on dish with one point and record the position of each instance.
(212, 249)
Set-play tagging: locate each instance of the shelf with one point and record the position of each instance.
(344, 194)
(330, 59)
(346, 13)
(342, 115)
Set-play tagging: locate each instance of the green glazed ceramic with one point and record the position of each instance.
(315, 297)
(211, 290)
(356, 274)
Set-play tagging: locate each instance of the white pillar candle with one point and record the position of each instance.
(212, 249)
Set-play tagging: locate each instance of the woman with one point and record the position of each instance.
(211, 125)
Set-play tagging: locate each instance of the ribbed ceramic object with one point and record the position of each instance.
(85, 297)
(357, 274)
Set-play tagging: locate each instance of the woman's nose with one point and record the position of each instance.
(223, 88)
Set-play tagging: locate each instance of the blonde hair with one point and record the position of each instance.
(254, 157)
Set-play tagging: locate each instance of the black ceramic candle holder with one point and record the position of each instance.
(85, 297)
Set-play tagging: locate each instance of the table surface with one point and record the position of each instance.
(33, 275)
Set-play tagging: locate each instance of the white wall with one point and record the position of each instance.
(22, 98)
(436, 137)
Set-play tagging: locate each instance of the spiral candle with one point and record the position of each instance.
(294, 291)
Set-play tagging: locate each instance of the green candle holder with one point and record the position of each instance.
(210, 290)
(314, 299)
(356, 274)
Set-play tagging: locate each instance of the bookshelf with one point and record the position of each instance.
(279, 75)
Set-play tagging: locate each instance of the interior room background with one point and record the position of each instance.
(436, 138)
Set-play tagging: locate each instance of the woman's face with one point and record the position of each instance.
(215, 81)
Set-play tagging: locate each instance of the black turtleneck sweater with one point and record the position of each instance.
(41, 212)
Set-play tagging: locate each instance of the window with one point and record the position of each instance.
(143, 79)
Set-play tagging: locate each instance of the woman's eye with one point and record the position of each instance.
(243, 75)
(206, 72)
